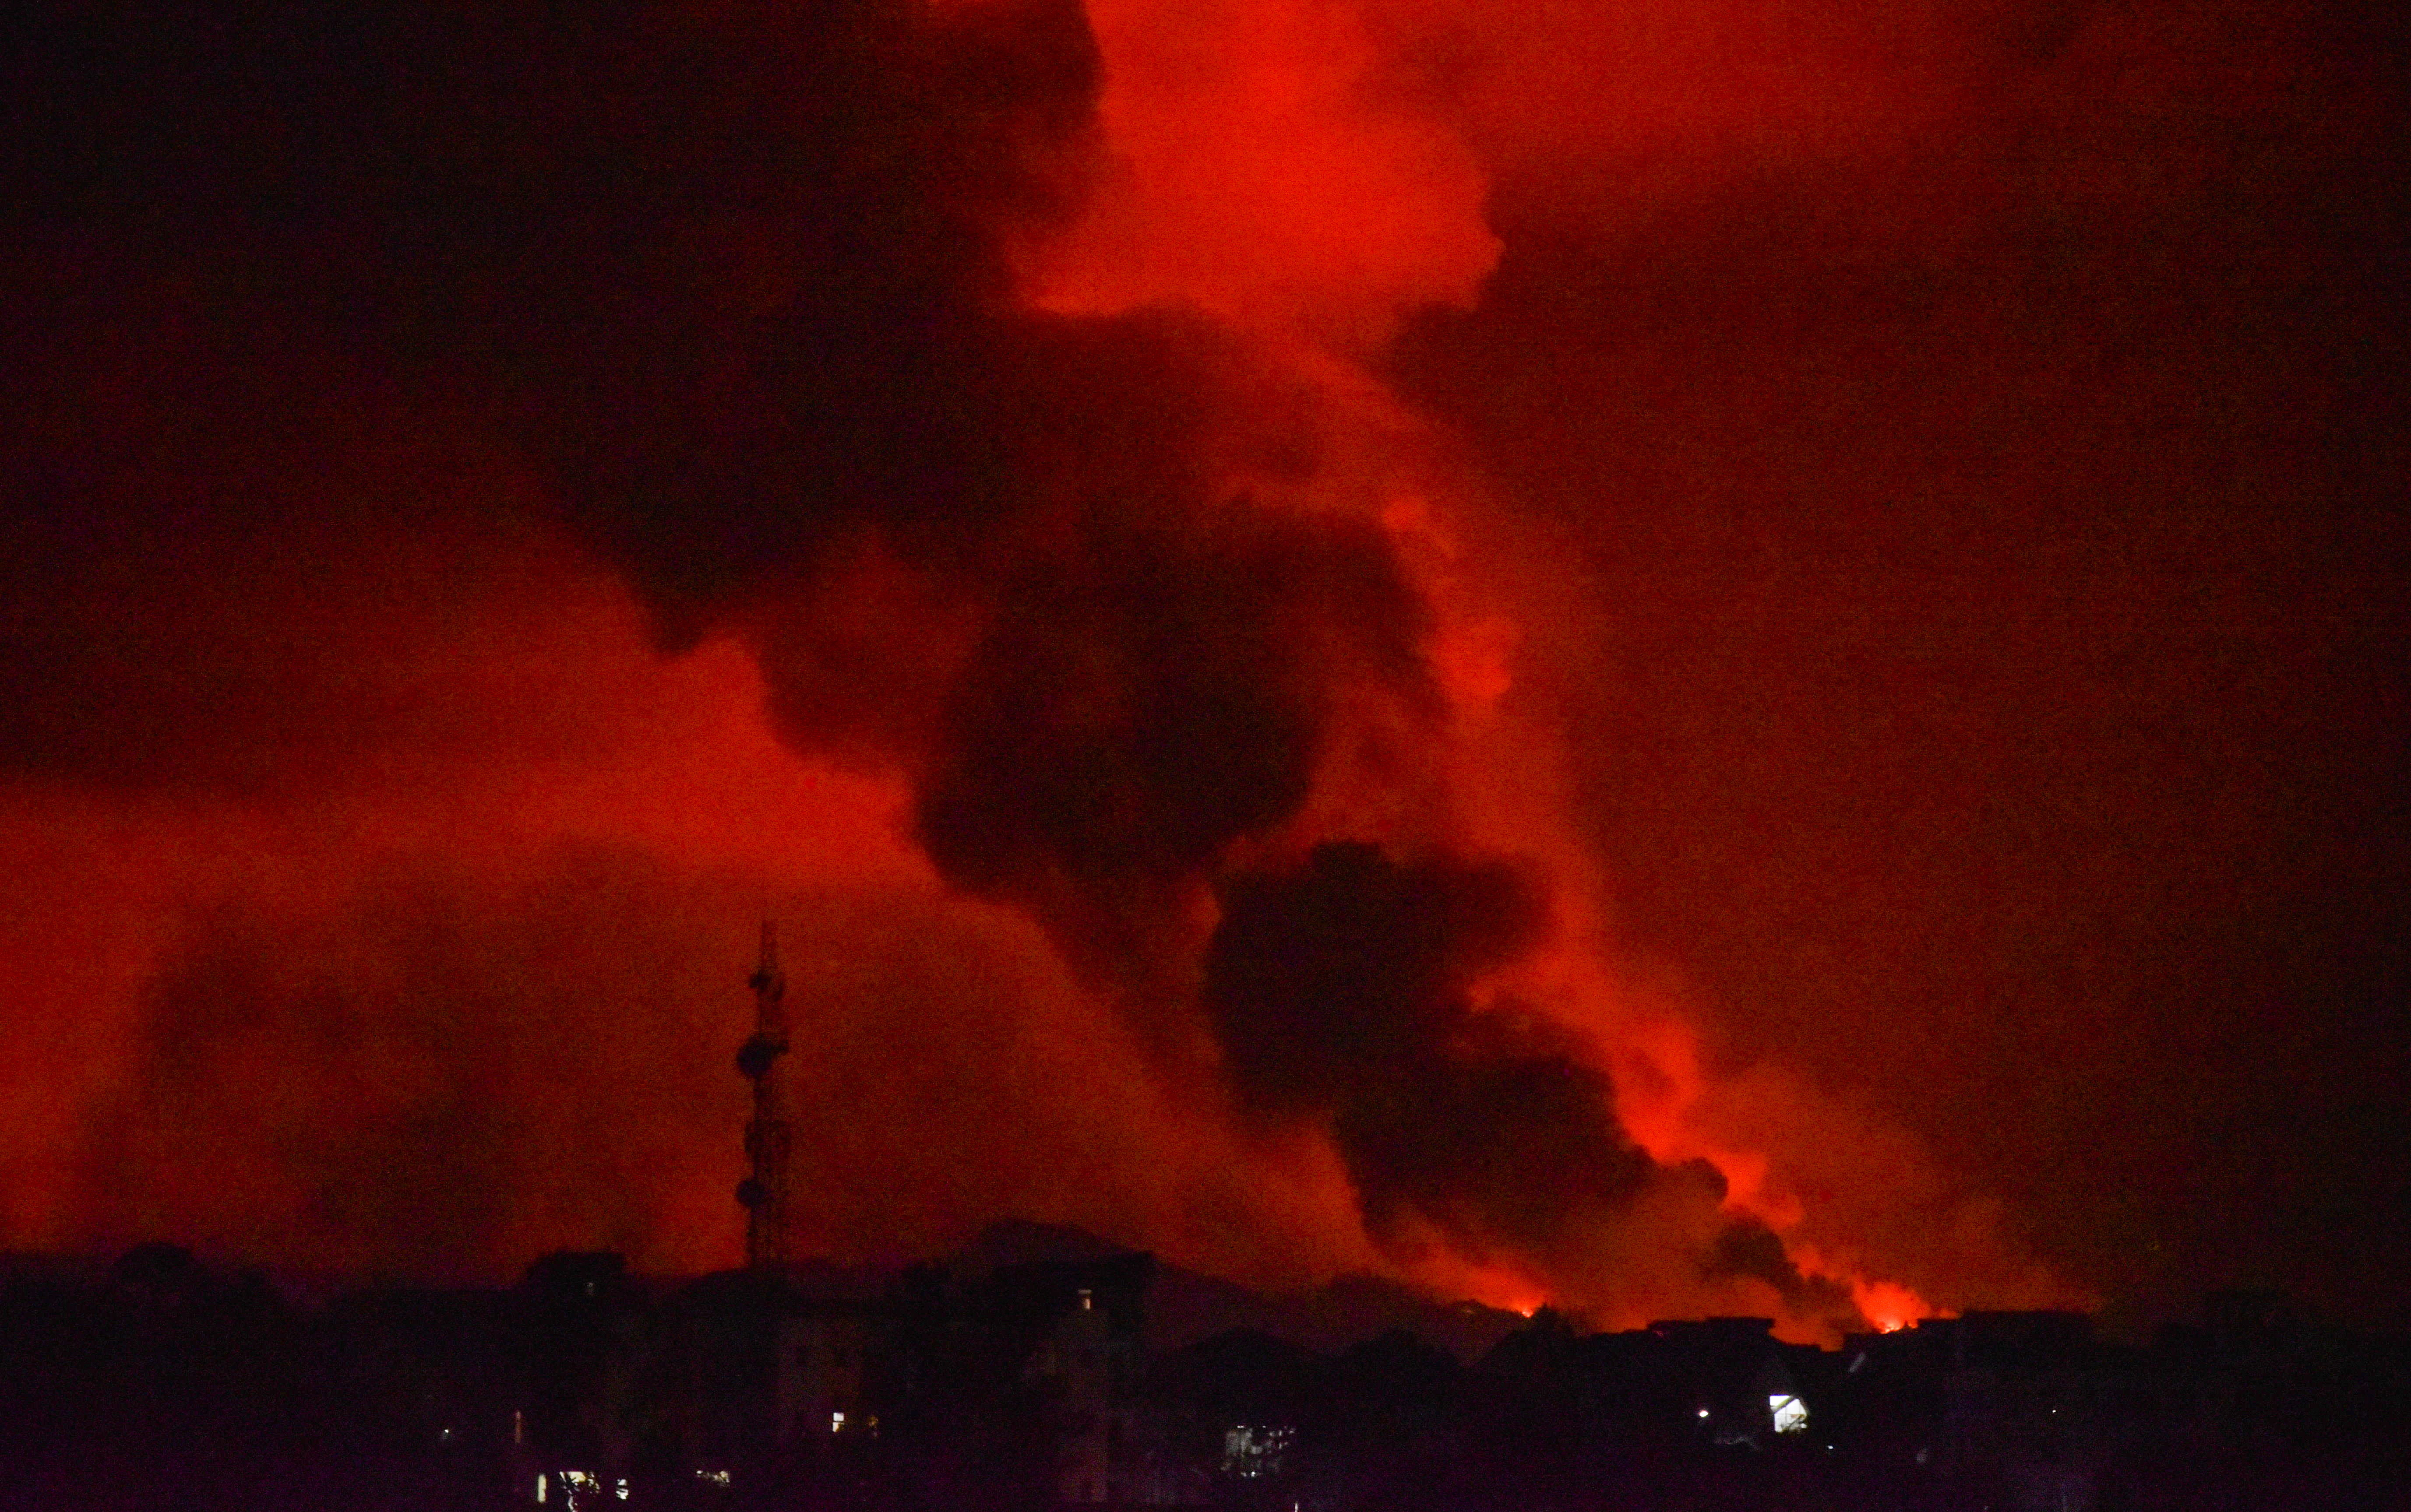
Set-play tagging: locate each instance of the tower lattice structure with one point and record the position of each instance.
(769, 1135)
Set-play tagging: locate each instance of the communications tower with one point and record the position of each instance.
(764, 1190)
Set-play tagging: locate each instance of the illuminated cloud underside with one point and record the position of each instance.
(1180, 556)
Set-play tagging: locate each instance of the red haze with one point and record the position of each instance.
(1679, 535)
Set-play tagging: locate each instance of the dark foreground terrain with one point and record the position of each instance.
(1083, 1376)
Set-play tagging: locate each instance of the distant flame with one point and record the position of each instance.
(1889, 1306)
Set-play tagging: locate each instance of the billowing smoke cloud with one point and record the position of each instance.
(1345, 992)
(984, 380)
(1119, 594)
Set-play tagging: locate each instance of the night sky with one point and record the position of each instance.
(1734, 657)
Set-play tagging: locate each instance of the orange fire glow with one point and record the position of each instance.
(507, 854)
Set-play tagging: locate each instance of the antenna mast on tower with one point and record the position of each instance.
(764, 1190)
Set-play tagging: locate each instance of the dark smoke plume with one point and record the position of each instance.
(730, 276)
(1348, 992)
(737, 279)
(735, 282)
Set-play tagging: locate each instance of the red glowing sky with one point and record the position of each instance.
(1884, 520)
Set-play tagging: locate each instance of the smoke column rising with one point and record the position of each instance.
(497, 493)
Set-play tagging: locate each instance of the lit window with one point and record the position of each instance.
(1087, 1299)
(540, 1479)
(1790, 1414)
(1250, 1451)
(620, 1487)
(717, 1477)
(837, 1422)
